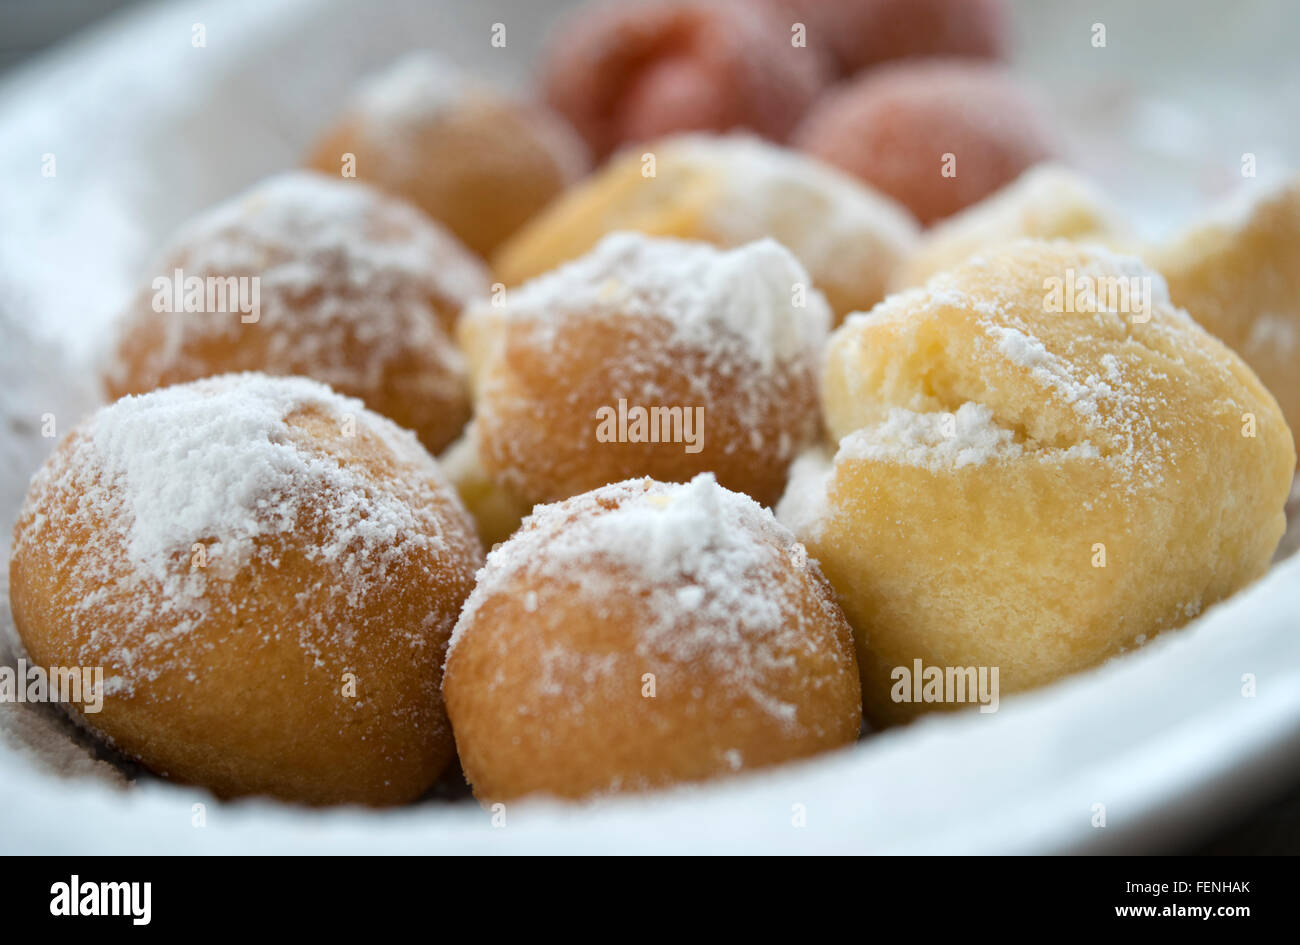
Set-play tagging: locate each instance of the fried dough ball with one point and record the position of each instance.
(648, 357)
(643, 635)
(268, 574)
(1032, 485)
(1238, 274)
(351, 288)
(476, 160)
(1046, 202)
(626, 72)
(936, 135)
(729, 190)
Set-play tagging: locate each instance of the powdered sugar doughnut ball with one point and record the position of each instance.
(728, 190)
(935, 135)
(648, 357)
(1032, 485)
(1046, 202)
(476, 160)
(862, 33)
(643, 635)
(268, 574)
(626, 72)
(312, 276)
(1238, 274)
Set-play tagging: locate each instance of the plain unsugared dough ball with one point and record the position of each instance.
(310, 276)
(1046, 202)
(474, 159)
(862, 33)
(1033, 484)
(643, 635)
(935, 135)
(268, 574)
(628, 72)
(728, 190)
(1238, 274)
(648, 357)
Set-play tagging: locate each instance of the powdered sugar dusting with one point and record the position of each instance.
(300, 230)
(769, 185)
(741, 299)
(417, 87)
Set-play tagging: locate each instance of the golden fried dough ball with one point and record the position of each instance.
(645, 634)
(1238, 274)
(1048, 201)
(937, 135)
(311, 276)
(631, 72)
(478, 161)
(648, 357)
(1042, 462)
(268, 574)
(728, 190)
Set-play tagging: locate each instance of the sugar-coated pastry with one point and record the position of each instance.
(1041, 463)
(629, 72)
(648, 357)
(728, 190)
(496, 511)
(642, 635)
(1046, 202)
(1238, 274)
(863, 33)
(936, 135)
(268, 574)
(315, 276)
(475, 159)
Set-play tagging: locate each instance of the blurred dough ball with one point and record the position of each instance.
(648, 357)
(1046, 202)
(43, 396)
(628, 72)
(728, 190)
(268, 574)
(935, 135)
(643, 635)
(476, 160)
(862, 33)
(1030, 485)
(496, 511)
(355, 289)
(1238, 274)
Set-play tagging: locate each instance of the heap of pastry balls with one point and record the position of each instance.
(270, 568)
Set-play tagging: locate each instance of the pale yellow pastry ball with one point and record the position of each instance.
(1238, 274)
(727, 190)
(1032, 480)
(1048, 201)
